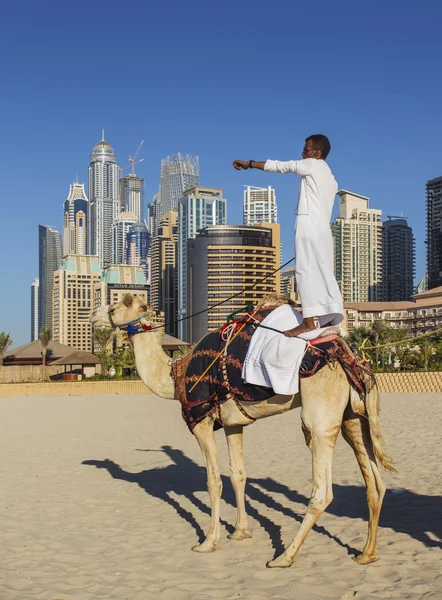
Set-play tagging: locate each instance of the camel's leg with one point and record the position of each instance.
(321, 416)
(206, 439)
(356, 432)
(234, 436)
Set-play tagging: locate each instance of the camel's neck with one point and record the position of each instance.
(153, 364)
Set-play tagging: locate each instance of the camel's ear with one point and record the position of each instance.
(127, 300)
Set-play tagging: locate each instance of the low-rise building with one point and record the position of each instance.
(419, 315)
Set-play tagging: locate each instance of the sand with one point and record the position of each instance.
(103, 497)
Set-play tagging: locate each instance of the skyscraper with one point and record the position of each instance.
(49, 258)
(398, 260)
(223, 260)
(75, 221)
(259, 205)
(120, 228)
(74, 285)
(153, 214)
(34, 310)
(434, 232)
(164, 280)
(178, 173)
(137, 248)
(132, 195)
(104, 205)
(357, 240)
(198, 208)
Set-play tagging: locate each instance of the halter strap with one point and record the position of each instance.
(131, 327)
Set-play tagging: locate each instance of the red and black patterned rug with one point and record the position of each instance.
(224, 377)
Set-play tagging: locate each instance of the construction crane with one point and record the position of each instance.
(122, 169)
(133, 160)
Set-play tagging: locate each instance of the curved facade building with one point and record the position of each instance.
(137, 247)
(120, 228)
(104, 204)
(178, 173)
(224, 260)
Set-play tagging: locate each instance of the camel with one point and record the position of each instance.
(328, 405)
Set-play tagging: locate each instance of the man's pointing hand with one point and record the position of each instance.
(241, 164)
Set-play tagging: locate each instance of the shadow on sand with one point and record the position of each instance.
(413, 514)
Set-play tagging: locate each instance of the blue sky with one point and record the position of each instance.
(223, 80)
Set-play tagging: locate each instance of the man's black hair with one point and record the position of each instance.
(320, 142)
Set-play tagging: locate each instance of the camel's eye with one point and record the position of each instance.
(143, 307)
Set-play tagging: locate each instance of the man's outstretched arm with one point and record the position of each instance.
(300, 167)
(248, 164)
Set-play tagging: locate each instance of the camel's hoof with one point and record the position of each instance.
(205, 547)
(239, 534)
(365, 559)
(280, 561)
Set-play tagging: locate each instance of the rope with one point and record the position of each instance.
(246, 289)
(364, 347)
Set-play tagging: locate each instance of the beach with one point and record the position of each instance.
(103, 497)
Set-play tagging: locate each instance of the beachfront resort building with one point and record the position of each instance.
(223, 260)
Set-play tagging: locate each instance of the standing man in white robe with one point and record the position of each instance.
(317, 286)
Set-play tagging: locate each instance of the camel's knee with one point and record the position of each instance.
(375, 493)
(320, 433)
(238, 477)
(320, 500)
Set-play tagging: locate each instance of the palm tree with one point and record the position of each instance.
(102, 337)
(428, 352)
(45, 338)
(5, 342)
(355, 337)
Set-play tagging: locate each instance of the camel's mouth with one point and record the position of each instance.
(100, 318)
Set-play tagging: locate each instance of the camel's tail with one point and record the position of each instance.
(372, 406)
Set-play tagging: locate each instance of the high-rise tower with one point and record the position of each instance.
(434, 232)
(137, 248)
(104, 205)
(398, 260)
(178, 173)
(120, 228)
(357, 240)
(153, 214)
(259, 205)
(164, 280)
(49, 258)
(225, 261)
(75, 221)
(198, 208)
(132, 195)
(73, 301)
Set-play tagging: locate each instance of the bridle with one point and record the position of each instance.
(131, 327)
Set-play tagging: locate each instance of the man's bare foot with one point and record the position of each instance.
(307, 325)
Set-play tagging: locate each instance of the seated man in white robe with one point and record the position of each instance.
(317, 286)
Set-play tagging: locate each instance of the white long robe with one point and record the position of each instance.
(317, 286)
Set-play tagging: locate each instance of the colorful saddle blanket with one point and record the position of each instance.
(224, 379)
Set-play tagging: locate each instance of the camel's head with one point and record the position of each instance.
(129, 309)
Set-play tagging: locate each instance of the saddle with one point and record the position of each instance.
(223, 380)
